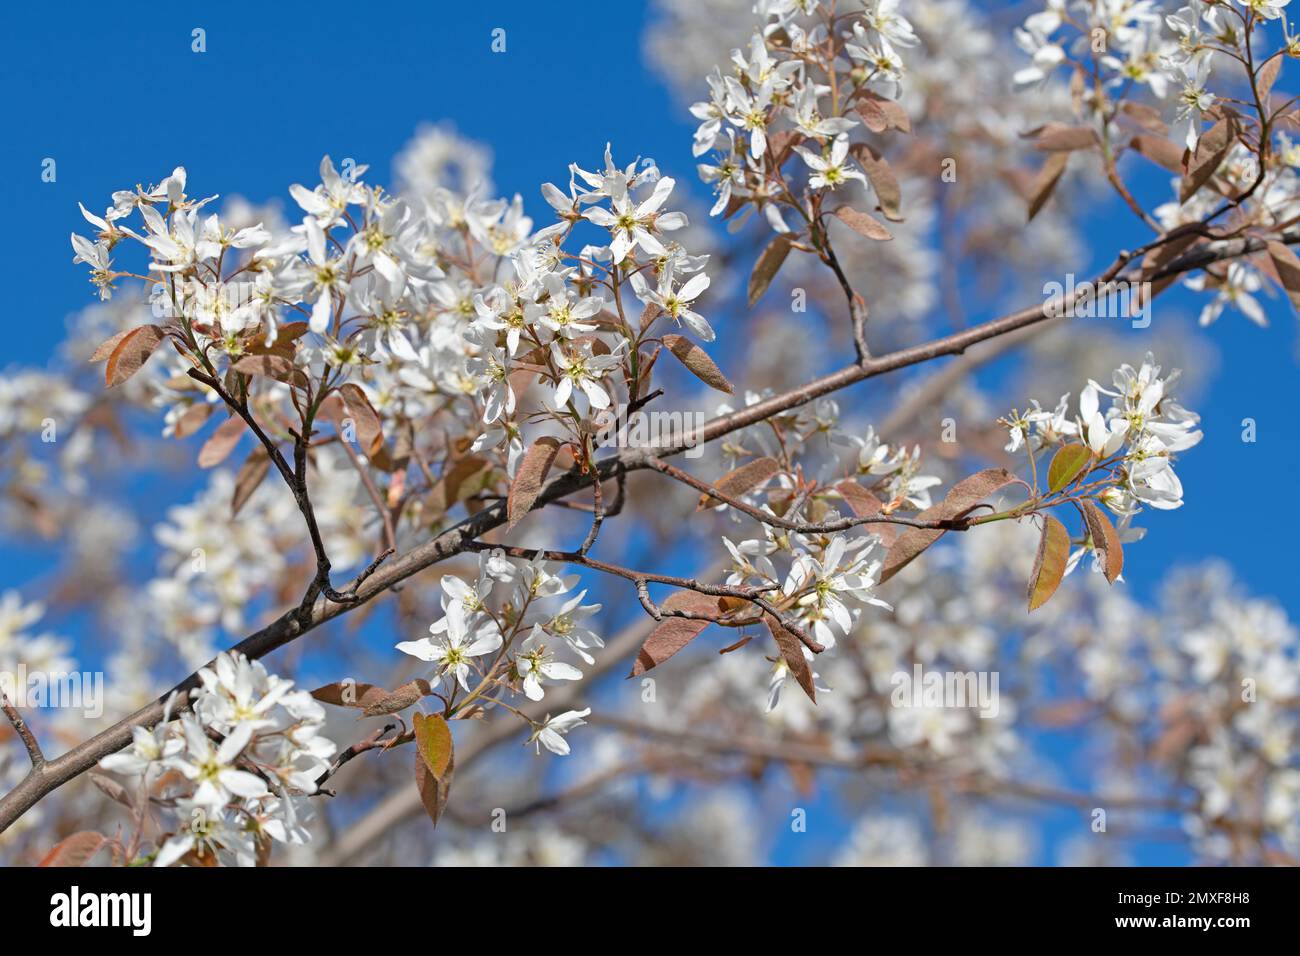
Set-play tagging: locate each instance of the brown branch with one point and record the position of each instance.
(298, 621)
(751, 593)
(24, 733)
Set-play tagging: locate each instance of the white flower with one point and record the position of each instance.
(327, 203)
(1047, 56)
(536, 663)
(635, 226)
(1193, 101)
(677, 303)
(548, 733)
(212, 767)
(828, 173)
(453, 651)
(583, 370)
(208, 832)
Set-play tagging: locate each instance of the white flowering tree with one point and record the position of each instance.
(411, 408)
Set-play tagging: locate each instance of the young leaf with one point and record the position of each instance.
(863, 224)
(674, 633)
(1066, 465)
(346, 693)
(399, 699)
(271, 366)
(457, 482)
(106, 347)
(959, 501)
(75, 850)
(1057, 137)
(130, 353)
(1162, 151)
(1041, 188)
(1105, 539)
(1211, 150)
(1049, 564)
(370, 431)
(792, 654)
(861, 502)
(435, 763)
(433, 740)
(765, 269)
(1288, 269)
(741, 480)
(697, 361)
(883, 181)
(895, 116)
(221, 442)
(530, 478)
(251, 473)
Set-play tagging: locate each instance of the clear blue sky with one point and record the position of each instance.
(115, 95)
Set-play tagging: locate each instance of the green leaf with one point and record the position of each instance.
(1066, 465)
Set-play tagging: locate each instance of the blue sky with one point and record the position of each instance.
(115, 95)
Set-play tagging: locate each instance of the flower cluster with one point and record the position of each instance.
(228, 776)
(1136, 437)
(801, 86)
(503, 635)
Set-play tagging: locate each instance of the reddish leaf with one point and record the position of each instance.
(106, 347)
(1040, 190)
(75, 850)
(1057, 137)
(1211, 150)
(193, 418)
(1160, 150)
(457, 482)
(792, 653)
(221, 442)
(863, 224)
(765, 269)
(399, 699)
(697, 361)
(369, 429)
(895, 116)
(435, 763)
(1267, 75)
(674, 633)
(530, 478)
(346, 693)
(741, 480)
(250, 476)
(959, 501)
(130, 353)
(271, 366)
(1049, 564)
(1105, 539)
(883, 181)
(862, 502)
(1287, 266)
